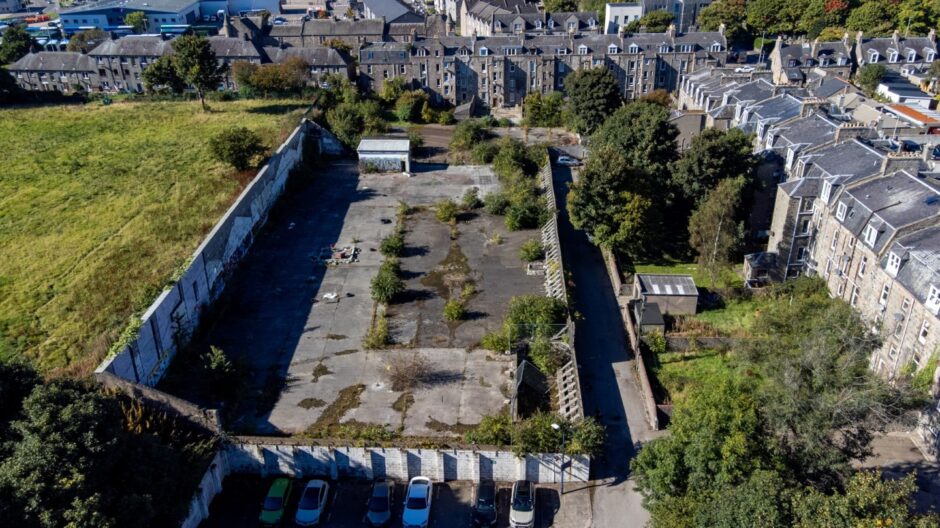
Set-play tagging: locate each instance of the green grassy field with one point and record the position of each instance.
(676, 374)
(99, 205)
(727, 278)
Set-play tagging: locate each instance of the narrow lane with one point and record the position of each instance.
(606, 370)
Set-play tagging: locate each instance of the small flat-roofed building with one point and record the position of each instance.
(675, 294)
(386, 154)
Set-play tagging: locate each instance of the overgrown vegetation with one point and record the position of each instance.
(102, 207)
(387, 283)
(775, 439)
(237, 147)
(65, 450)
(535, 434)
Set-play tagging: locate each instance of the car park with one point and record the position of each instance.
(417, 510)
(484, 504)
(272, 509)
(312, 504)
(379, 507)
(522, 505)
(567, 161)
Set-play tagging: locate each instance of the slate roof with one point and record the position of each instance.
(54, 61)
(133, 46)
(314, 56)
(231, 47)
(888, 204)
(485, 9)
(812, 130)
(387, 9)
(849, 160)
(801, 187)
(373, 27)
(665, 284)
(920, 261)
(161, 6)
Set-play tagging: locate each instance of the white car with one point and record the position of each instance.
(417, 503)
(522, 505)
(312, 503)
(567, 161)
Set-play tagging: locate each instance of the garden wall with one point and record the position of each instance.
(173, 317)
(267, 456)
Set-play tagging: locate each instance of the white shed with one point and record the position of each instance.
(386, 154)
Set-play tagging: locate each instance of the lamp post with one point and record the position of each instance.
(557, 427)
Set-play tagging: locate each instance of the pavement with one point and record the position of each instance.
(606, 368)
(297, 326)
(239, 505)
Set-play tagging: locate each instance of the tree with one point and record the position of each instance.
(610, 204)
(652, 22)
(713, 232)
(593, 95)
(539, 111)
(392, 90)
(236, 146)
(346, 123)
(196, 64)
(593, 6)
(643, 133)
(658, 96)
(713, 156)
(85, 41)
(137, 20)
(161, 75)
(9, 90)
(917, 16)
(16, 44)
(869, 76)
(560, 6)
(409, 104)
(731, 13)
(775, 16)
(289, 76)
(874, 17)
(468, 133)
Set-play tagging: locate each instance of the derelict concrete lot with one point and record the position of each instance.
(304, 350)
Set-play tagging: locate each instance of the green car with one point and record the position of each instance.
(272, 510)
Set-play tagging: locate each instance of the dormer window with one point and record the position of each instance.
(422, 52)
(929, 56)
(716, 47)
(517, 27)
(791, 63)
(826, 191)
(582, 49)
(824, 61)
(484, 52)
(892, 56)
(871, 234)
(561, 51)
(612, 49)
(933, 299)
(572, 26)
(686, 48)
(664, 48)
(842, 61)
(592, 22)
(538, 24)
(634, 48)
(912, 56)
(464, 51)
(894, 264)
(873, 56)
(551, 24)
(840, 211)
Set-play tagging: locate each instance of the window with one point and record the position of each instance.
(862, 265)
(835, 240)
(872, 56)
(930, 56)
(634, 48)
(894, 263)
(484, 52)
(804, 226)
(893, 352)
(893, 56)
(572, 26)
(899, 327)
(716, 47)
(870, 235)
(851, 242)
(562, 51)
(582, 49)
(612, 49)
(912, 56)
(840, 211)
(841, 288)
(828, 267)
(800, 254)
(517, 27)
(924, 330)
(826, 191)
(933, 299)
(883, 300)
(854, 298)
(664, 48)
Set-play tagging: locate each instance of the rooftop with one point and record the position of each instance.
(384, 144)
(163, 6)
(679, 285)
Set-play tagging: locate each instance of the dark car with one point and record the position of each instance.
(484, 504)
(379, 507)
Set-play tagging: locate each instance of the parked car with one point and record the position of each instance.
(522, 505)
(379, 507)
(417, 503)
(484, 504)
(272, 509)
(567, 161)
(312, 503)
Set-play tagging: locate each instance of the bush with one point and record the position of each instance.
(493, 430)
(483, 153)
(657, 343)
(533, 315)
(504, 122)
(393, 245)
(377, 336)
(408, 374)
(446, 118)
(236, 147)
(415, 137)
(496, 203)
(446, 210)
(528, 213)
(468, 133)
(545, 356)
(387, 284)
(531, 251)
(453, 310)
(494, 342)
(471, 199)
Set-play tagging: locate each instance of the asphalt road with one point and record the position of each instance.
(608, 388)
